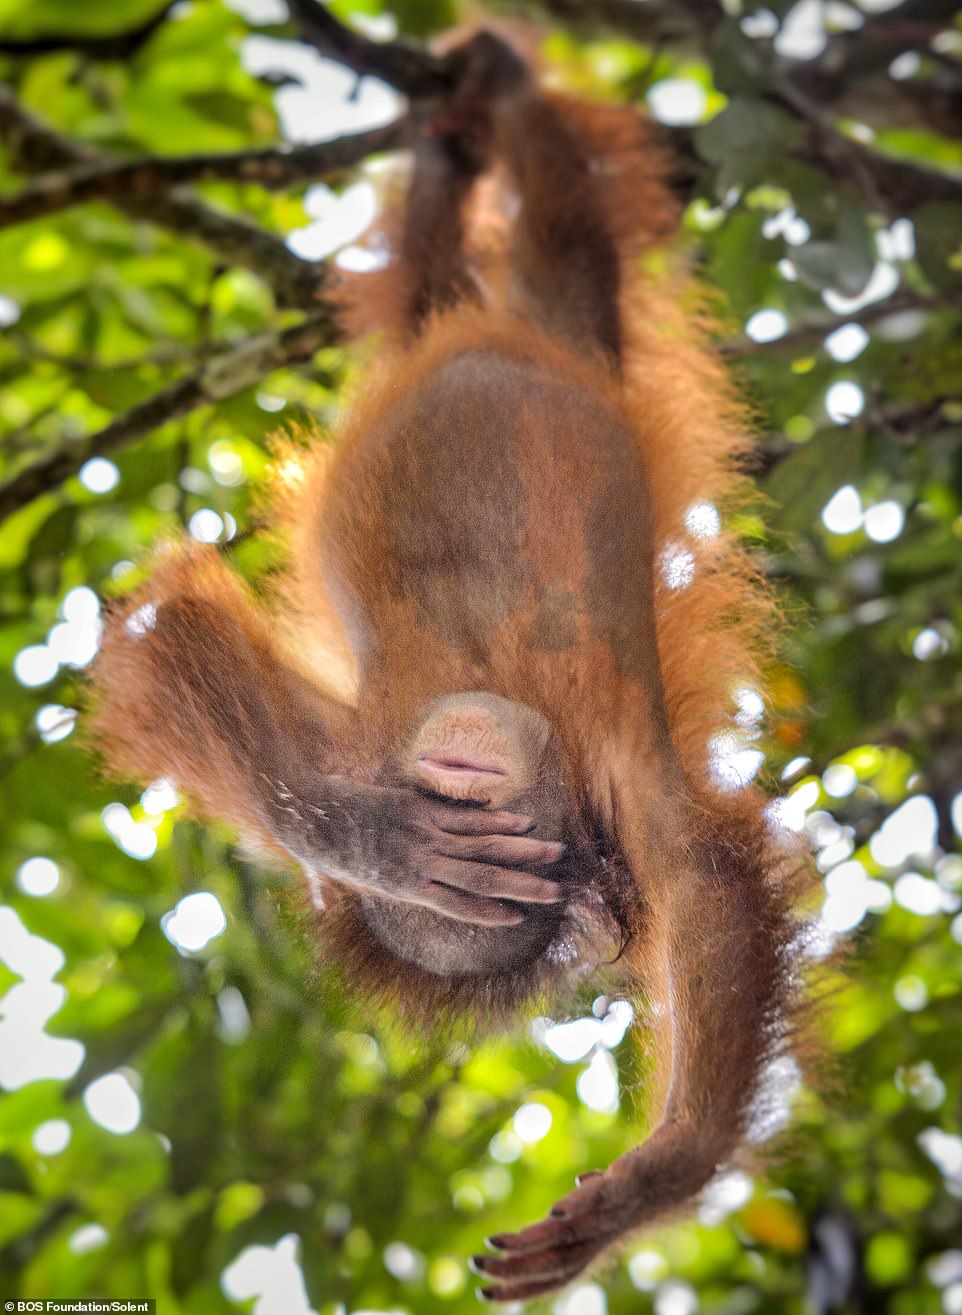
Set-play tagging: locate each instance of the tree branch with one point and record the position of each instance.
(851, 56)
(126, 181)
(33, 145)
(847, 58)
(850, 71)
(222, 377)
(816, 328)
(166, 354)
(410, 69)
(894, 186)
(297, 283)
(646, 22)
(119, 45)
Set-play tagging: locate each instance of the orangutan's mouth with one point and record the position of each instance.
(460, 764)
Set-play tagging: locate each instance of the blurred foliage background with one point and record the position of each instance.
(181, 1117)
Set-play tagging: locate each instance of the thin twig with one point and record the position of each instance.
(171, 353)
(817, 328)
(222, 377)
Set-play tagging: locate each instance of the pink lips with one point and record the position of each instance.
(459, 764)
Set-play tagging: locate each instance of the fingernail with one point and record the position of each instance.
(476, 1265)
(496, 1240)
(484, 1294)
(557, 1213)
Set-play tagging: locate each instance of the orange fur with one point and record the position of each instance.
(496, 517)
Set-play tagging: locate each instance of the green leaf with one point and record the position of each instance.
(938, 230)
(13, 1177)
(739, 64)
(805, 480)
(743, 140)
(845, 263)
